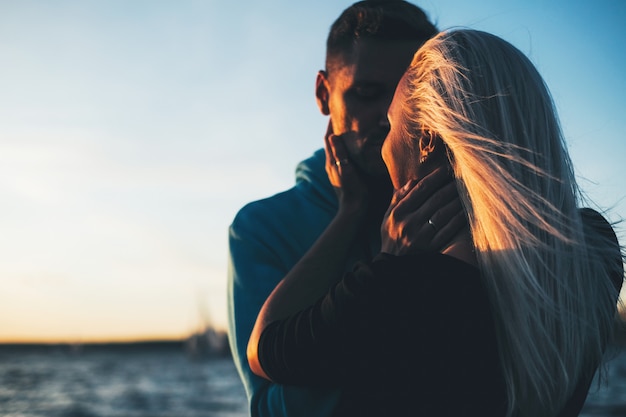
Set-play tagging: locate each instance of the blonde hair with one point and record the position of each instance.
(547, 275)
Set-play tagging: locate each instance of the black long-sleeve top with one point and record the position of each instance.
(395, 340)
(410, 335)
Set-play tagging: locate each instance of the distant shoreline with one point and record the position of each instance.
(93, 346)
(173, 346)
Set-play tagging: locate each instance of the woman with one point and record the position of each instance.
(513, 316)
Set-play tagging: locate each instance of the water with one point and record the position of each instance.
(118, 383)
(609, 398)
(150, 382)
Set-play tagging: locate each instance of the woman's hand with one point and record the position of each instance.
(423, 216)
(351, 190)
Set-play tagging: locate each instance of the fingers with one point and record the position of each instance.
(400, 193)
(450, 221)
(431, 229)
(330, 159)
(426, 215)
(329, 147)
(423, 202)
(329, 128)
(419, 193)
(337, 156)
(338, 152)
(343, 175)
(337, 161)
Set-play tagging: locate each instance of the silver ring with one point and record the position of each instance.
(430, 222)
(342, 161)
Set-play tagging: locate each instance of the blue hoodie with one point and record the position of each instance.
(266, 239)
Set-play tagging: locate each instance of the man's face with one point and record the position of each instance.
(359, 92)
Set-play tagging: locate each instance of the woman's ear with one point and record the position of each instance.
(322, 92)
(432, 153)
(426, 145)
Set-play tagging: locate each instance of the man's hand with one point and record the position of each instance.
(351, 190)
(424, 215)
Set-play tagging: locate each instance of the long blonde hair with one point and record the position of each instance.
(546, 274)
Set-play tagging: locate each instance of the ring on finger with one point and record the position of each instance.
(430, 222)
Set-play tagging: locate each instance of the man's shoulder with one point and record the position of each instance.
(271, 207)
(311, 197)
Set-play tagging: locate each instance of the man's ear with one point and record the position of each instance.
(322, 92)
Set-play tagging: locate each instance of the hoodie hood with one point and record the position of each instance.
(311, 174)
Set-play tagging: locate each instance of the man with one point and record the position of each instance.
(341, 193)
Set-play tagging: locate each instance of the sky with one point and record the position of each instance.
(131, 132)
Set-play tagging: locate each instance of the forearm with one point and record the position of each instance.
(259, 258)
(310, 278)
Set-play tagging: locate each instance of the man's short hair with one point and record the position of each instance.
(386, 20)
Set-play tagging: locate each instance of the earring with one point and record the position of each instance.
(428, 148)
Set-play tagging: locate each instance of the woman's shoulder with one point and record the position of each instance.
(593, 220)
(426, 263)
(601, 239)
(430, 275)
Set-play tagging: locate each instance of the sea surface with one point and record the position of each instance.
(164, 381)
(114, 381)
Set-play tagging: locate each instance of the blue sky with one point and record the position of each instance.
(132, 131)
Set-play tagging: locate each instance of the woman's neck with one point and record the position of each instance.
(462, 248)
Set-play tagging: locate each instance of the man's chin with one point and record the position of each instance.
(373, 160)
(376, 167)
(377, 174)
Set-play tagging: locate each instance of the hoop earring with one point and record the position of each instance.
(426, 149)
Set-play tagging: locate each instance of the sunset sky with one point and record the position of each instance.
(131, 132)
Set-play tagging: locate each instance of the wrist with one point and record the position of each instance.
(353, 210)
